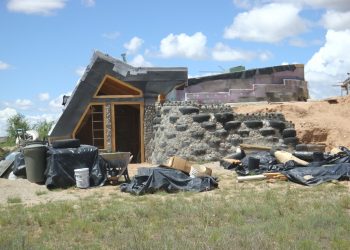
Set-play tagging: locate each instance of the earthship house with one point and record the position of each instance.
(115, 108)
(107, 107)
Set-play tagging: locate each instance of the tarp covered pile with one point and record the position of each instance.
(326, 168)
(150, 180)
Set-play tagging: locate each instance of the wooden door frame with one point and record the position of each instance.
(104, 121)
(141, 105)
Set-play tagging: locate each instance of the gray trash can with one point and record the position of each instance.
(35, 160)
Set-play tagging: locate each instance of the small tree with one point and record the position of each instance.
(15, 122)
(43, 128)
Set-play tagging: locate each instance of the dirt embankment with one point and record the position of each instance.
(326, 122)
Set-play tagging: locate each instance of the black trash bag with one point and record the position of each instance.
(19, 167)
(151, 180)
(265, 158)
(237, 155)
(61, 163)
(317, 175)
(266, 163)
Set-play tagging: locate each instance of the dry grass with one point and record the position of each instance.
(252, 216)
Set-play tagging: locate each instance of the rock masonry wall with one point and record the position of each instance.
(209, 132)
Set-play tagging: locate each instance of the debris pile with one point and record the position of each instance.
(281, 165)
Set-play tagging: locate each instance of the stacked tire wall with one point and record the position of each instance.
(204, 133)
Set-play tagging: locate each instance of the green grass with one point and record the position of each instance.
(14, 200)
(271, 218)
(41, 192)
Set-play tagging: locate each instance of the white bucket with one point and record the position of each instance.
(82, 177)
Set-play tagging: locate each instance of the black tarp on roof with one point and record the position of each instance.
(152, 81)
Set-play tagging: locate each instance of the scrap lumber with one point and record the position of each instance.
(232, 161)
(258, 177)
(283, 157)
(254, 147)
(266, 176)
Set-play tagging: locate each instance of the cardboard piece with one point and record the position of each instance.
(179, 164)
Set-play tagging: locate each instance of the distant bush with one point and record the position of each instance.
(15, 122)
(43, 128)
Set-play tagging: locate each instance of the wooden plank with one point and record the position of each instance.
(252, 146)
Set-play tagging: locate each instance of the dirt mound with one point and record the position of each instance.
(325, 122)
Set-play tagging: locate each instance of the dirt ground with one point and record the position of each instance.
(315, 121)
(31, 193)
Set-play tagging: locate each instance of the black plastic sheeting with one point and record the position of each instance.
(61, 163)
(332, 167)
(150, 180)
(316, 175)
(19, 167)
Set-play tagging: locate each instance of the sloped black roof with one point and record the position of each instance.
(151, 80)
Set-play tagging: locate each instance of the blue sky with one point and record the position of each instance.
(46, 44)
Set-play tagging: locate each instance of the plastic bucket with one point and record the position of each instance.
(35, 160)
(253, 163)
(82, 177)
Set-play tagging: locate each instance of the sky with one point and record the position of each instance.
(45, 45)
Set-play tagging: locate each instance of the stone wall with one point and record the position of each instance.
(150, 114)
(207, 132)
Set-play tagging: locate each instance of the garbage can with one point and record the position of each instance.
(35, 160)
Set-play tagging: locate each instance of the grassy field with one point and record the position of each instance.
(244, 218)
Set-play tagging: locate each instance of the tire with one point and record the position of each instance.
(289, 132)
(188, 110)
(310, 147)
(253, 123)
(201, 118)
(173, 119)
(224, 117)
(291, 141)
(243, 132)
(181, 127)
(267, 131)
(67, 143)
(301, 147)
(208, 125)
(304, 155)
(277, 124)
(232, 125)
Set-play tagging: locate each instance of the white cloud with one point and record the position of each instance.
(139, 61)
(42, 117)
(44, 96)
(4, 66)
(88, 3)
(266, 55)
(41, 7)
(341, 5)
(5, 114)
(245, 4)
(222, 52)
(270, 23)
(133, 45)
(111, 35)
(183, 45)
(297, 42)
(80, 71)
(336, 20)
(23, 104)
(329, 65)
